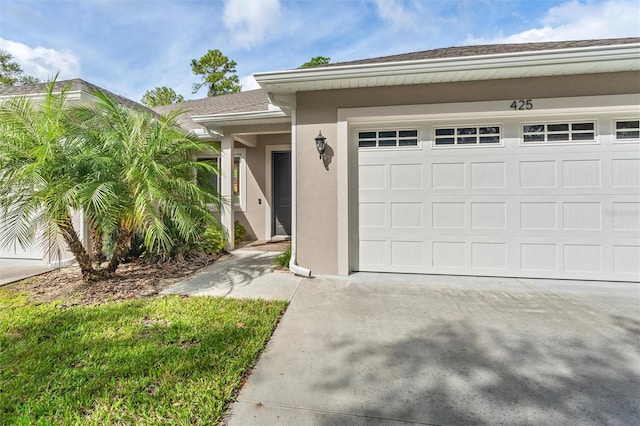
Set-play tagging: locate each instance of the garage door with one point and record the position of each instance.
(536, 198)
(18, 252)
(12, 249)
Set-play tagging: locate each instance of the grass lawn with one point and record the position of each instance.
(169, 360)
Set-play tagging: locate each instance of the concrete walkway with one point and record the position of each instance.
(246, 273)
(384, 349)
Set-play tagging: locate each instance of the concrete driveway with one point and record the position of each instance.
(12, 270)
(384, 349)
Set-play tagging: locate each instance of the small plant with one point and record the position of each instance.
(240, 232)
(283, 259)
(213, 240)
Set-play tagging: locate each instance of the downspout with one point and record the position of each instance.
(293, 265)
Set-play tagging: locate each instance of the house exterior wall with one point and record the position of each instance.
(258, 195)
(318, 189)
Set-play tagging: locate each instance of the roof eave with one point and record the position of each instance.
(70, 94)
(207, 134)
(482, 67)
(238, 117)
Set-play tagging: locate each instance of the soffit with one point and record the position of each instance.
(247, 122)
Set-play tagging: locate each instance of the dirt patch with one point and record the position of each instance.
(133, 280)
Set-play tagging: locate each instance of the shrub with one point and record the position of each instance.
(213, 240)
(240, 232)
(282, 260)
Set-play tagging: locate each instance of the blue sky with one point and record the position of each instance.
(130, 46)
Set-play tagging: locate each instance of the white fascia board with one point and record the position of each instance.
(238, 116)
(72, 95)
(215, 133)
(284, 81)
(207, 134)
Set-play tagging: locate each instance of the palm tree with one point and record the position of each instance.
(39, 192)
(140, 177)
(127, 170)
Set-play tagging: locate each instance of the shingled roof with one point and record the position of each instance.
(487, 49)
(249, 101)
(257, 100)
(76, 84)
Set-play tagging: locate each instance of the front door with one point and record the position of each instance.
(281, 193)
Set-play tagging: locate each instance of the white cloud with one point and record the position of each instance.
(251, 22)
(249, 83)
(402, 16)
(577, 20)
(42, 62)
(392, 11)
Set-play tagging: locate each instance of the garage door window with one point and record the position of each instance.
(468, 135)
(387, 138)
(559, 132)
(628, 130)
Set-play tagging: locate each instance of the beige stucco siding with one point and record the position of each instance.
(316, 190)
(317, 111)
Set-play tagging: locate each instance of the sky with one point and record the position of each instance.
(131, 46)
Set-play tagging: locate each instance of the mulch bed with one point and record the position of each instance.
(132, 280)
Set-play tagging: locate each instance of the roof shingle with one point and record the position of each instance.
(76, 84)
(249, 101)
(487, 49)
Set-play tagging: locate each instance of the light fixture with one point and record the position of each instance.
(321, 143)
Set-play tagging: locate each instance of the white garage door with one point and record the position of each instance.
(556, 198)
(18, 252)
(14, 250)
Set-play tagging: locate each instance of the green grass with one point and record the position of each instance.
(165, 361)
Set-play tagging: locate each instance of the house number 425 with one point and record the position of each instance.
(521, 104)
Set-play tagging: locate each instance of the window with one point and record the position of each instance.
(627, 129)
(468, 135)
(559, 132)
(238, 176)
(387, 138)
(212, 179)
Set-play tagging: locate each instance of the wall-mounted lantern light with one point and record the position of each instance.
(321, 143)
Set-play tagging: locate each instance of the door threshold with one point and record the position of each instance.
(278, 238)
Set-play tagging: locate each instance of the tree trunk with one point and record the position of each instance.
(75, 245)
(120, 249)
(96, 245)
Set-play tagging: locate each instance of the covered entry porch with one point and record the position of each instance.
(254, 180)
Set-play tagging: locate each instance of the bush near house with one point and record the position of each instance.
(213, 240)
(240, 232)
(283, 259)
(162, 361)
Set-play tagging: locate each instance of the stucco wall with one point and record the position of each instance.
(317, 185)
